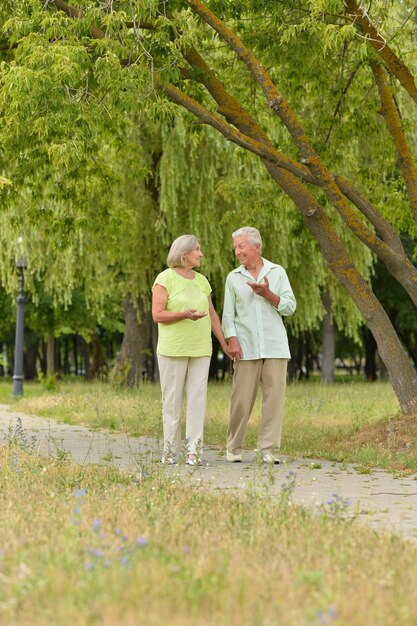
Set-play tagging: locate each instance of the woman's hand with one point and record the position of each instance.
(226, 350)
(193, 314)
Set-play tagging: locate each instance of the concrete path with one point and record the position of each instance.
(379, 498)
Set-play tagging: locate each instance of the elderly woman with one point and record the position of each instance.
(182, 307)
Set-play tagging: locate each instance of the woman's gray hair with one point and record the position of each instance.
(252, 233)
(181, 246)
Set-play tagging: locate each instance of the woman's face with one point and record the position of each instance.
(192, 258)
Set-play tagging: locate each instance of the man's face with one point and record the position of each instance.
(247, 252)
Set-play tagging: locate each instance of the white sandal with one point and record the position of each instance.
(192, 459)
(168, 460)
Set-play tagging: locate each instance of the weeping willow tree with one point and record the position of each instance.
(199, 184)
(64, 151)
(206, 58)
(100, 191)
(162, 50)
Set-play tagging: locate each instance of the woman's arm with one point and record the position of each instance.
(161, 316)
(216, 327)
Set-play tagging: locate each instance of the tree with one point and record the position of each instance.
(139, 47)
(287, 173)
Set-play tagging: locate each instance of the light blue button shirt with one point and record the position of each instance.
(252, 319)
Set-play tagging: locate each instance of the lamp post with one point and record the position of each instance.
(18, 376)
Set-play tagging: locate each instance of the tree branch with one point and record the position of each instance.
(339, 104)
(392, 119)
(141, 25)
(266, 152)
(323, 177)
(270, 155)
(235, 114)
(228, 106)
(395, 257)
(384, 228)
(97, 33)
(394, 65)
(255, 140)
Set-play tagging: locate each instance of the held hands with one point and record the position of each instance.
(234, 349)
(193, 314)
(224, 346)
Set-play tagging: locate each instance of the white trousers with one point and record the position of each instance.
(177, 373)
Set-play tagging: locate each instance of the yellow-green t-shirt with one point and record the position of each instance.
(186, 337)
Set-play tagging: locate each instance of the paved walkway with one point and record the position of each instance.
(380, 499)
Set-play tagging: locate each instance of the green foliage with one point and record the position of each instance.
(49, 382)
(105, 174)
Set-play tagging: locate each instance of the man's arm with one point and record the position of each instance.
(228, 322)
(287, 304)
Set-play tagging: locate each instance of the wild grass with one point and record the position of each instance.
(90, 545)
(321, 421)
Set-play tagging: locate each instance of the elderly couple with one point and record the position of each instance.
(257, 294)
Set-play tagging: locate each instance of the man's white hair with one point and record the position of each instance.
(252, 233)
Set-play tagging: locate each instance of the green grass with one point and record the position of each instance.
(321, 421)
(92, 546)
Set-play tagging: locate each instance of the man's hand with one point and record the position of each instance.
(234, 349)
(263, 290)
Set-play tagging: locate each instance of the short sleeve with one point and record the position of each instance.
(163, 279)
(205, 285)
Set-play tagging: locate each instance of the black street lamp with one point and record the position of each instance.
(18, 376)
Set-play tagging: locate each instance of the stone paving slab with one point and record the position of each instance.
(379, 498)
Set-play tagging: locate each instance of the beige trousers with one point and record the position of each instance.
(271, 374)
(177, 374)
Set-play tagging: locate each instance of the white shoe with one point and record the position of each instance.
(233, 458)
(168, 460)
(270, 458)
(192, 459)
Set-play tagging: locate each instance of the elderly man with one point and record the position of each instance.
(257, 294)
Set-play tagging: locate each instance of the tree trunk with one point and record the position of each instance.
(85, 357)
(309, 361)
(370, 356)
(50, 354)
(75, 353)
(130, 362)
(97, 355)
(328, 341)
(4, 366)
(383, 370)
(402, 375)
(42, 358)
(58, 357)
(154, 357)
(30, 355)
(67, 368)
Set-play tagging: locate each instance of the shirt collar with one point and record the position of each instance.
(267, 265)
